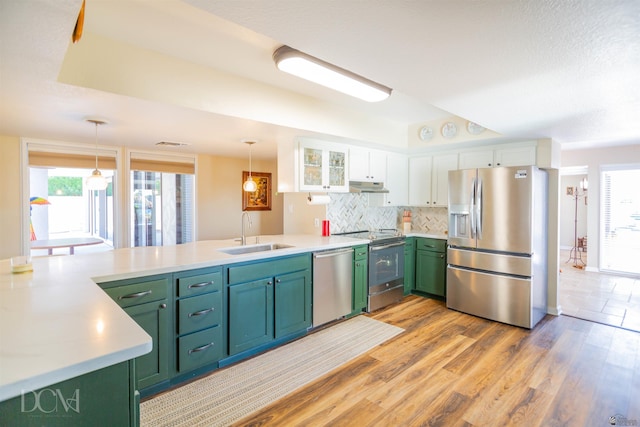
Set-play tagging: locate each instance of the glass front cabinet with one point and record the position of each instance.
(323, 167)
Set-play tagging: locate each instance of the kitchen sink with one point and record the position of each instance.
(238, 250)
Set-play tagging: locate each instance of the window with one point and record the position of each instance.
(60, 205)
(162, 200)
(620, 220)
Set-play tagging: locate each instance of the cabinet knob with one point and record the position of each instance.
(278, 281)
(488, 164)
(498, 164)
(269, 283)
(163, 306)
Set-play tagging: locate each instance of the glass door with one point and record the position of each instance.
(620, 221)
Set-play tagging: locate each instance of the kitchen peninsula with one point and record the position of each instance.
(56, 323)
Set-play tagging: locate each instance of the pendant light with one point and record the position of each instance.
(96, 181)
(249, 185)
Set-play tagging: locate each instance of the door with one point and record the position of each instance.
(386, 266)
(431, 272)
(461, 202)
(153, 317)
(504, 200)
(250, 315)
(293, 303)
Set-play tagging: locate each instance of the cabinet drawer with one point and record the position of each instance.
(274, 267)
(139, 293)
(360, 253)
(200, 283)
(200, 348)
(434, 245)
(199, 312)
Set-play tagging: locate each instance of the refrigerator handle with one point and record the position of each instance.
(472, 215)
(479, 208)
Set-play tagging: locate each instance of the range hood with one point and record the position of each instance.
(367, 187)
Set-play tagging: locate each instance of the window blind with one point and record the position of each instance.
(70, 160)
(151, 163)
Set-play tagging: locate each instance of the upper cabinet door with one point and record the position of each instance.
(323, 167)
(475, 159)
(367, 165)
(442, 164)
(397, 181)
(515, 156)
(420, 181)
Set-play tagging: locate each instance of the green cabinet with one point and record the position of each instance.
(200, 332)
(250, 315)
(360, 278)
(431, 266)
(147, 301)
(409, 264)
(106, 397)
(268, 301)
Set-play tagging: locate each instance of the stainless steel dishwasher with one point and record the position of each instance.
(332, 285)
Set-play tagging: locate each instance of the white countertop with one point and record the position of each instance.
(56, 323)
(441, 236)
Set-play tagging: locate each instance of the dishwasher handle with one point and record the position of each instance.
(327, 254)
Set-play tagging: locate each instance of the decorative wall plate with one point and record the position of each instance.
(425, 133)
(449, 130)
(474, 128)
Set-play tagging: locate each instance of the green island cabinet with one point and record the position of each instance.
(269, 302)
(106, 397)
(431, 266)
(148, 301)
(360, 278)
(409, 265)
(200, 328)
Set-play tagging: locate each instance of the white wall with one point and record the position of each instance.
(594, 159)
(11, 224)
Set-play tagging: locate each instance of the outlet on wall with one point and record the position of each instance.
(316, 222)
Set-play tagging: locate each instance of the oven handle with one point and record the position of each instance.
(390, 245)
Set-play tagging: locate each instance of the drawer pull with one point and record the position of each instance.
(201, 348)
(202, 312)
(430, 246)
(200, 285)
(136, 295)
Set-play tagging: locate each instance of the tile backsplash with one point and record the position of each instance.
(352, 211)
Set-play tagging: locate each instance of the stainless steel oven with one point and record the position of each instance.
(386, 273)
(386, 266)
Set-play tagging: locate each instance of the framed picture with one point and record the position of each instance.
(259, 200)
(569, 191)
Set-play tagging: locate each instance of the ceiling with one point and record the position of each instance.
(200, 71)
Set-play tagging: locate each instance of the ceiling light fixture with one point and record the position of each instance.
(96, 181)
(318, 71)
(249, 185)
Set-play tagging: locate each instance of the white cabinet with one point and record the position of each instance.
(367, 165)
(397, 181)
(323, 167)
(521, 155)
(420, 181)
(515, 156)
(429, 179)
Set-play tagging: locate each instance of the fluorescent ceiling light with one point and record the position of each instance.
(318, 71)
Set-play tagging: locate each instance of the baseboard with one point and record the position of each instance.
(556, 311)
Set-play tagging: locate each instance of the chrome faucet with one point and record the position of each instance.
(243, 238)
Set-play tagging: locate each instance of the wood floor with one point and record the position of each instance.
(452, 369)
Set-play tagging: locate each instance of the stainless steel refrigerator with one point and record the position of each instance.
(497, 254)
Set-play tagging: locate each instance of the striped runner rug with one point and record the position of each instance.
(235, 392)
